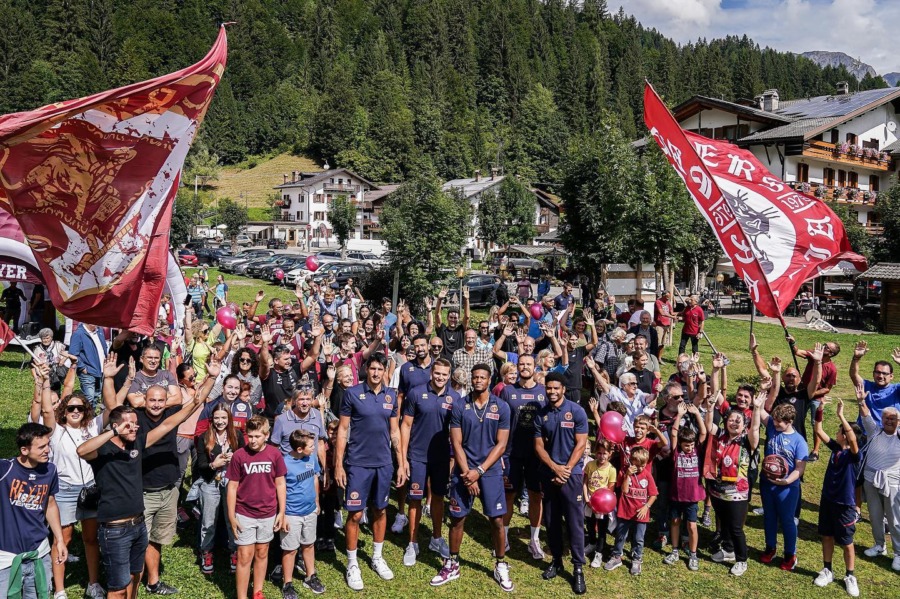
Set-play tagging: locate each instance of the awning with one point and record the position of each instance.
(257, 229)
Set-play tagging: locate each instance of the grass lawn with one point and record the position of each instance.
(876, 579)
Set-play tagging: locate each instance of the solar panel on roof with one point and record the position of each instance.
(834, 106)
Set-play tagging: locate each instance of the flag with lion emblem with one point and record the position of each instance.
(92, 183)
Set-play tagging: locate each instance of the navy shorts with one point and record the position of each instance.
(420, 473)
(519, 471)
(685, 510)
(368, 483)
(122, 549)
(491, 493)
(838, 521)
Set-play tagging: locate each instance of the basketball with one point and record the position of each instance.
(774, 466)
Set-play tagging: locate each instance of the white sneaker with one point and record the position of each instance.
(95, 591)
(875, 551)
(354, 577)
(60, 595)
(721, 556)
(72, 559)
(739, 568)
(796, 521)
(896, 563)
(501, 575)
(759, 511)
(825, 578)
(534, 548)
(852, 587)
(399, 522)
(410, 555)
(440, 546)
(382, 569)
(524, 506)
(338, 520)
(598, 560)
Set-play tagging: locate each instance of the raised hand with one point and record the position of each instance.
(682, 409)
(214, 368)
(719, 361)
(695, 358)
(442, 294)
(860, 350)
(298, 291)
(132, 368)
(765, 383)
(753, 343)
(240, 332)
(588, 314)
(775, 364)
(895, 354)
(109, 366)
(840, 409)
(429, 304)
(760, 400)
(465, 292)
(327, 346)
(594, 404)
(317, 331)
(816, 353)
(330, 372)
(266, 334)
(260, 295)
(860, 393)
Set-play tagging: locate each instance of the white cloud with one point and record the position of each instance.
(861, 28)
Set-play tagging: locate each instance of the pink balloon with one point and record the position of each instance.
(603, 501)
(233, 307)
(312, 264)
(537, 312)
(226, 318)
(611, 427)
(279, 274)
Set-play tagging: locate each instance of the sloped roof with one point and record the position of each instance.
(471, 187)
(314, 178)
(891, 148)
(697, 103)
(883, 271)
(796, 129)
(832, 107)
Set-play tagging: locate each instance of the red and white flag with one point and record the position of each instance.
(776, 237)
(6, 335)
(92, 183)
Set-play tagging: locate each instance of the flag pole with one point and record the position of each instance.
(21, 343)
(783, 327)
(703, 333)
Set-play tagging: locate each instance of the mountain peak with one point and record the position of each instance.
(856, 67)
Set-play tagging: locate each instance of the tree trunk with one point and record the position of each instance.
(638, 280)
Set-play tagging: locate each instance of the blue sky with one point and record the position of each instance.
(864, 29)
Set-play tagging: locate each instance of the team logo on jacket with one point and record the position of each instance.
(568, 416)
(727, 461)
(354, 495)
(133, 453)
(643, 483)
(494, 408)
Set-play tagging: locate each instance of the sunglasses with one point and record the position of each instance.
(245, 361)
(75, 408)
(437, 347)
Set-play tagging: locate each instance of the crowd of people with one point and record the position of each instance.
(308, 417)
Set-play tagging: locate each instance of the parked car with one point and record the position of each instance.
(244, 240)
(229, 262)
(243, 267)
(265, 269)
(276, 244)
(195, 244)
(340, 272)
(211, 256)
(187, 258)
(482, 290)
(291, 265)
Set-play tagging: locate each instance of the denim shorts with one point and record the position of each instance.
(122, 549)
(28, 585)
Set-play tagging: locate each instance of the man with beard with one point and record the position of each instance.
(151, 375)
(560, 436)
(451, 334)
(525, 398)
(425, 446)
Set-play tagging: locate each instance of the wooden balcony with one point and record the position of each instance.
(840, 153)
(837, 193)
(341, 188)
(874, 229)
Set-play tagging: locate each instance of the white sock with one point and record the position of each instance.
(376, 550)
(351, 557)
(535, 533)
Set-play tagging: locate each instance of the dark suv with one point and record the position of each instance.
(276, 244)
(341, 272)
(482, 290)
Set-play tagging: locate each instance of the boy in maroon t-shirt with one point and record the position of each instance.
(256, 503)
(643, 425)
(638, 495)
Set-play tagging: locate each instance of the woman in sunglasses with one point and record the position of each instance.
(73, 422)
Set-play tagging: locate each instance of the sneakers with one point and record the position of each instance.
(693, 563)
(60, 595)
(160, 588)
(597, 562)
(672, 558)
(288, 592)
(277, 576)
(895, 565)
(534, 548)
(875, 551)
(758, 511)
(851, 586)
(707, 519)
(314, 584)
(233, 562)
(94, 591)
(439, 546)
(813, 457)
(501, 575)
(449, 571)
(636, 567)
(410, 555)
(206, 562)
(354, 577)
(505, 549)
(660, 542)
(789, 563)
(589, 548)
(382, 569)
(722, 556)
(613, 563)
(325, 545)
(399, 523)
(578, 584)
(825, 578)
(739, 568)
(767, 556)
(300, 567)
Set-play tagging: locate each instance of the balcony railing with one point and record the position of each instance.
(838, 193)
(848, 154)
(874, 229)
(341, 188)
(288, 218)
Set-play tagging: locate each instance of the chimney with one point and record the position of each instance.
(770, 100)
(477, 175)
(285, 178)
(843, 88)
(494, 171)
(293, 176)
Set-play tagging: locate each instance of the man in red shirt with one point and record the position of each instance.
(663, 321)
(826, 383)
(693, 325)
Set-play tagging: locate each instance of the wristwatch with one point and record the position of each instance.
(480, 471)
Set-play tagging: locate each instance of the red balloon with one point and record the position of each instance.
(312, 264)
(611, 427)
(537, 312)
(279, 274)
(226, 318)
(603, 501)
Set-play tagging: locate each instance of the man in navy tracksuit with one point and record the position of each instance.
(560, 436)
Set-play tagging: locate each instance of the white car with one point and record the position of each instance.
(294, 276)
(244, 240)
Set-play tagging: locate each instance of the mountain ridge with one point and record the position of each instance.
(825, 58)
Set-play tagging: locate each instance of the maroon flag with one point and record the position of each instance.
(6, 335)
(92, 183)
(777, 238)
